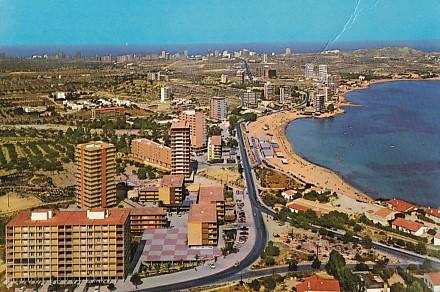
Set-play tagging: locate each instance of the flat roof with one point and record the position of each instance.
(179, 125)
(148, 211)
(94, 145)
(216, 140)
(172, 180)
(202, 212)
(211, 193)
(170, 244)
(71, 217)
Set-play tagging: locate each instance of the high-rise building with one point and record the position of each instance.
(197, 123)
(151, 152)
(269, 91)
(322, 73)
(185, 53)
(320, 103)
(180, 148)
(202, 224)
(165, 93)
(224, 79)
(46, 245)
(264, 58)
(250, 99)
(282, 95)
(288, 52)
(218, 108)
(309, 71)
(95, 175)
(269, 73)
(214, 148)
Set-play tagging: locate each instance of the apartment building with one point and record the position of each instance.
(198, 128)
(151, 152)
(169, 190)
(180, 148)
(147, 218)
(218, 108)
(214, 148)
(213, 194)
(46, 245)
(95, 175)
(202, 225)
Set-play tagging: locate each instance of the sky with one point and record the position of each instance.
(155, 22)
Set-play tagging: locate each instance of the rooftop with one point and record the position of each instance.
(383, 212)
(147, 141)
(70, 217)
(216, 140)
(148, 211)
(407, 224)
(401, 206)
(95, 145)
(179, 125)
(318, 283)
(435, 277)
(170, 244)
(203, 212)
(211, 193)
(433, 212)
(172, 180)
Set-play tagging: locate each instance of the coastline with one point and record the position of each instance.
(309, 172)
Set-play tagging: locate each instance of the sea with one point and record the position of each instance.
(387, 145)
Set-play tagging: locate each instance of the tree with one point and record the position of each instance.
(335, 264)
(293, 265)
(142, 173)
(316, 264)
(255, 285)
(397, 287)
(269, 283)
(272, 250)
(136, 279)
(214, 131)
(269, 261)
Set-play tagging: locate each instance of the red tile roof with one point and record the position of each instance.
(67, 217)
(148, 211)
(202, 213)
(383, 212)
(298, 207)
(216, 140)
(435, 278)
(211, 193)
(317, 283)
(407, 224)
(172, 180)
(401, 206)
(433, 212)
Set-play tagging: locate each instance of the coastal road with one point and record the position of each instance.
(260, 229)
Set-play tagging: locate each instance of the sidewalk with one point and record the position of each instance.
(204, 270)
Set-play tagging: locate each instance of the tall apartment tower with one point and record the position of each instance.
(320, 103)
(219, 108)
(95, 175)
(282, 95)
(309, 71)
(180, 148)
(198, 129)
(322, 73)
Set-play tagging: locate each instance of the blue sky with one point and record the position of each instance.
(205, 21)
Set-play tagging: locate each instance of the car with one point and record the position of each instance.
(212, 266)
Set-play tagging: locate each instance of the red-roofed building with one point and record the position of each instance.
(297, 208)
(213, 194)
(214, 148)
(381, 216)
(401, 206)
(433, 214)
(408, 226)
(68, 245)
(318, 284)
(432, 280)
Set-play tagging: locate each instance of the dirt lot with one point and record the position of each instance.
(226, 175)
(17, 202)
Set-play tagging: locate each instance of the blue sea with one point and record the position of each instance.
(387, 146)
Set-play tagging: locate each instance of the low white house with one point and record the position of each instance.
(407, 226)
(433, 214)
(288, 194)
(381, 216)
(432, 280)
(436, 240)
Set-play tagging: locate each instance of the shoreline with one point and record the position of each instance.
(309, 172)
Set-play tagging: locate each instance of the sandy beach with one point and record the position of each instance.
(307, 171)
(275, 125)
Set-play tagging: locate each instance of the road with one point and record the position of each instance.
(261, 234)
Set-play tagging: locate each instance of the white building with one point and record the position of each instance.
(60, 95)
(165, 93)
(309, 71)
(432, 280)
(322, 73)
(288, 194)
(436, 240)
(224, 79)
